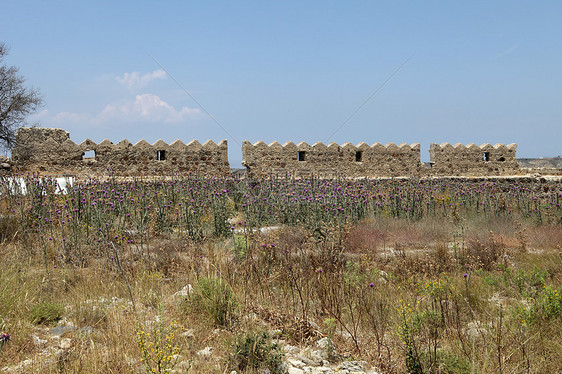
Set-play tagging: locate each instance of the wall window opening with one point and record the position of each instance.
(302, 156)
(89, 154)
(358, 156)
(486, 156)
(160, 155)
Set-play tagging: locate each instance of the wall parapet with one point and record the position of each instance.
(473, 160)
(302, 159)
(52, 150)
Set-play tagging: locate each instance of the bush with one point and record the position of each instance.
(46, 313)
(547, 306)
(485, 254)
(215, 298)
(446, 362)
(254, 350)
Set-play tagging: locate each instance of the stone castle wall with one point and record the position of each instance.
(378, 160)
(473, 160)
(52, 151)
(331, 160)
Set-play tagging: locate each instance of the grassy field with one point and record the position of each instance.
(412, 276)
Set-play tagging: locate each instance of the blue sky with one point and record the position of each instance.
(478, 71)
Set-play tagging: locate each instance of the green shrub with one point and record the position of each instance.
(254, 350)
(215, 298)
(446, 363)
(46, 313)
(240, 246)
(547, 306)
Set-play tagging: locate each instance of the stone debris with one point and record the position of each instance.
(65, 343)
(475, 330)
(5, 163)
(183, 293)
(38, 341)
(62, 329)
(313, 360)
(205, 352)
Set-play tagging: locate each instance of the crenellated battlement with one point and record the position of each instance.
(331, 160)
(471, 159)
(52, 149)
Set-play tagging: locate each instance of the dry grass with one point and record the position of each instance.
(402, 295)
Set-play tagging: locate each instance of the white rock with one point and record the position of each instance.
(322, 370)
(38, 341)
(205, 352)
(182, 367)
(290, 349)
(293, 370)
(65, 343)
(352, 366)
(310, 357)
(295, 362)
(324, 343)
(475, 330)
(184, 292)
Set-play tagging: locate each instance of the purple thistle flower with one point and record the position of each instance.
(4, 337)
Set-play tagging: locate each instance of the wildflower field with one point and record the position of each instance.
(409, 275)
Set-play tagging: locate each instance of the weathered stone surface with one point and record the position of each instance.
(377, 160)
(332, 160)
(51, 151)
(473, 160)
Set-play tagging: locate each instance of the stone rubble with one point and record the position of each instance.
(320, 359)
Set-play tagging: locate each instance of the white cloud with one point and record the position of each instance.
(145, 108)
(135, 80)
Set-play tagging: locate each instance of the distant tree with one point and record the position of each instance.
(16, 101)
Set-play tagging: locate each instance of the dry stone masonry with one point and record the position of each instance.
(473, 160)
(52, 151)
(331, 160)
(377, 160)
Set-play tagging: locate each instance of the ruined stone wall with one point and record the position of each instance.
(473, 160)
(331, 160)
(51, 151)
